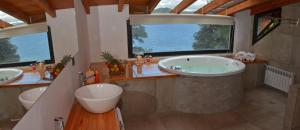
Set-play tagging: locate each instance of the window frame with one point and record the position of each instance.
(51, 61)
(257, 37)
(176, 53)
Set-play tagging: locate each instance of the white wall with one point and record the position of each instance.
(58, 99)
(94, 34)
(243, 31)
(108, 31)
(64, 33)
(82, 33)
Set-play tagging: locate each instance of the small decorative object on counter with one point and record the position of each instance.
(33, 67)
(41, 68)
(97, 76)
(90, 73)
(59, 66)
(139, 60)
(139, 69)
(115, 65)
(148, 59)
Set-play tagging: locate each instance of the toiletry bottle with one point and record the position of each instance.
(97, 76)
(89, 73)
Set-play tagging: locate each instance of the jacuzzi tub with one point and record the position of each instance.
(206, 84)
(202, 65)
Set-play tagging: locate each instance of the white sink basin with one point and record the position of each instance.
(98, 98)
(29, 97)
(9, 75)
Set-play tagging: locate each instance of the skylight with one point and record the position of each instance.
(10, 19)
(165, 6)
(196, 5)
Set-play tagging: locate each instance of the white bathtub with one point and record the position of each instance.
(202, 65)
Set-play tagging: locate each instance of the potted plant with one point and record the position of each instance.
(114, 65)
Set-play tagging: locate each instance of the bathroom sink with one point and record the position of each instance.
(9, 75)
(98, 98)
(29, 97)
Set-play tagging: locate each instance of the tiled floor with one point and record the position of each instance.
(262, 109)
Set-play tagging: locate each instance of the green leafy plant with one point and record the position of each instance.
(109, 58)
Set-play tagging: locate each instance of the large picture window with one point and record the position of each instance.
(25, 49)
(179, 39)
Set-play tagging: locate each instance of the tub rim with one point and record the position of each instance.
(161, 66)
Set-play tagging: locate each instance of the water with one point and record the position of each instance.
(169, 37)
(205, 69)
(32, 47)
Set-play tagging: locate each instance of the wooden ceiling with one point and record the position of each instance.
(33, 11)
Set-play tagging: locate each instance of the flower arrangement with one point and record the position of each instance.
(115, 65)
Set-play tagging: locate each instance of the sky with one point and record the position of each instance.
(9, 19)
(172, 3)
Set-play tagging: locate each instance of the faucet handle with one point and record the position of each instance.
(80, 73)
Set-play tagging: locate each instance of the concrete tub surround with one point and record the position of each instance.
(182, 94)
(206, 94)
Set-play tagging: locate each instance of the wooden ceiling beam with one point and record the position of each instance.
(44, 4)
(151, 5)
(4, 24)
(211, 6)
(102, 2)
(242, 6)
(271, 5)
(14, 11)
(121, 5)
(182, 5)
(86, 6)
(38, 18)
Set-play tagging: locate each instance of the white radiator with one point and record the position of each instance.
(279, 78)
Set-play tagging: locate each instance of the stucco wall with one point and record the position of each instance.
(108, 31)
(281, 47)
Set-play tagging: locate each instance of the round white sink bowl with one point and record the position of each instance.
(29, 97)
(98, 98)
(9, 75)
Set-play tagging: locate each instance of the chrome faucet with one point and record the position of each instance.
(83, 78)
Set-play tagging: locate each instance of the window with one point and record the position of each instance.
(264, 23)
(179, 39)
(25, 49)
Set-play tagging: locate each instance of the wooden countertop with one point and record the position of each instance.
(28, 79)
(134, 72)
(256, 61)
(80, 119)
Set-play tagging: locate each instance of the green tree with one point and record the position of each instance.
(8, 52)
(138, 33)
(212, 37)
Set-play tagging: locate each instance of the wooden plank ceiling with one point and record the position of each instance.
(33, 11)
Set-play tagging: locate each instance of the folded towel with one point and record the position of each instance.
(250, 56)
(245, 56)
(240, 55)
